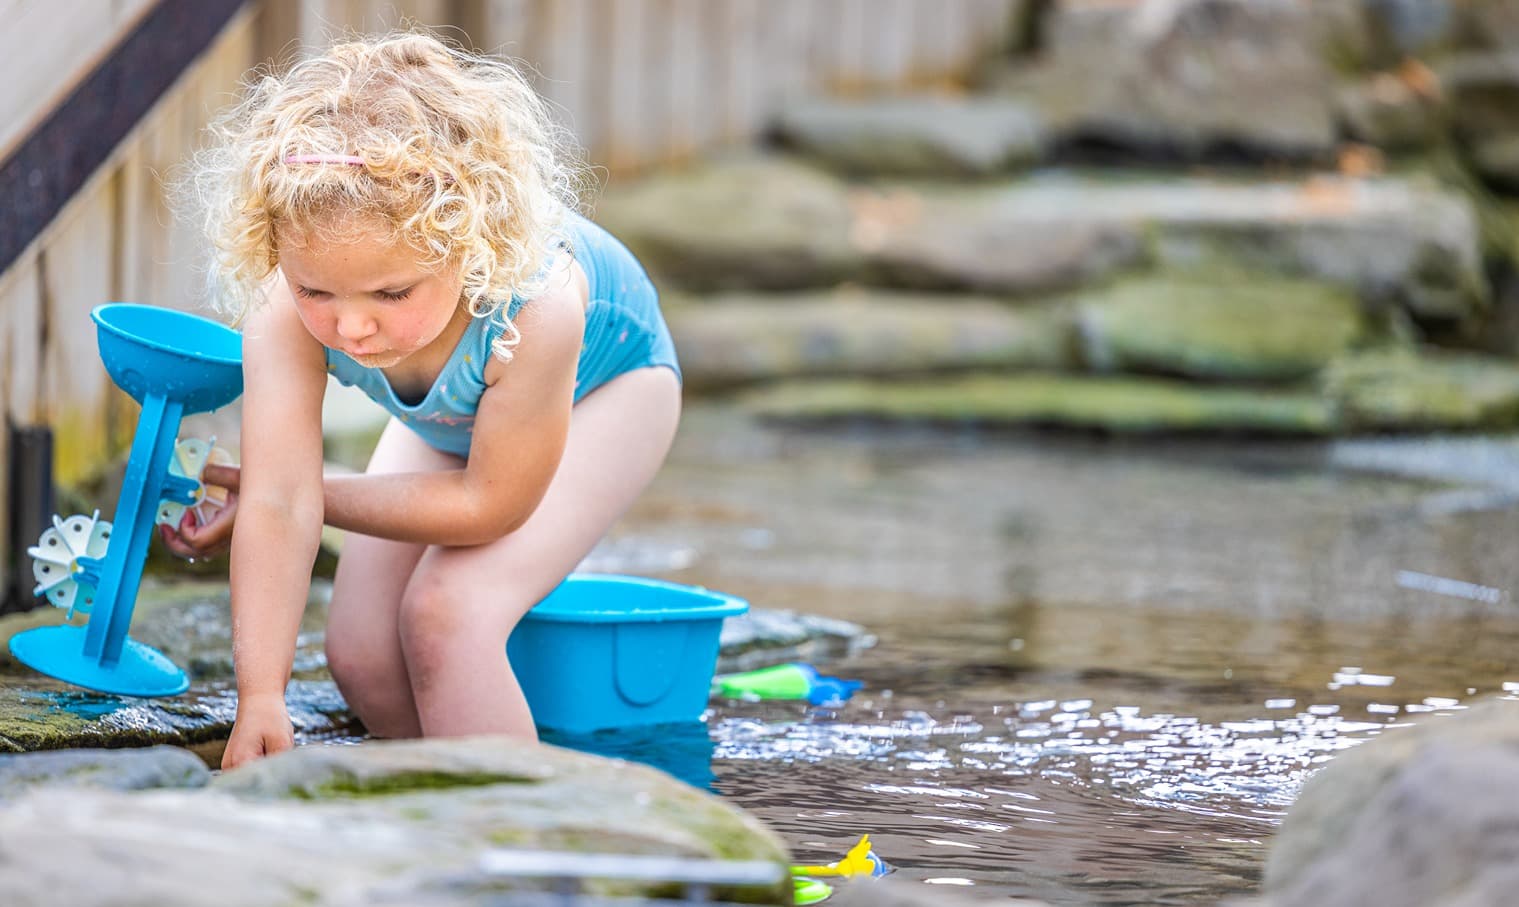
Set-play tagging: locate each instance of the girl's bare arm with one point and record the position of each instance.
(279, 511)
(519, 435)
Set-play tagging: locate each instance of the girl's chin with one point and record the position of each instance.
(377, 360)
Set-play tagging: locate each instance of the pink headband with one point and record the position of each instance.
(352, 159)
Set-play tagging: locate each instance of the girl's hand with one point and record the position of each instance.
(262, 729)
(190, 539)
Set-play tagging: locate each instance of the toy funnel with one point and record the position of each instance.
(173, 364)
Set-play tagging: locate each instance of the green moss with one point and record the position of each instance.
(1122, 405)
(351, 786)
(1220, 325)
(1398, 390)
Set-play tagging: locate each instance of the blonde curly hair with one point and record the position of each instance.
(460, 159)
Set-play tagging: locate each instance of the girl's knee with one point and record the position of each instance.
(438, 614)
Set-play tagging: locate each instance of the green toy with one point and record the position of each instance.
(787, 681)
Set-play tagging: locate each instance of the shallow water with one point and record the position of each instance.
(1104, 669)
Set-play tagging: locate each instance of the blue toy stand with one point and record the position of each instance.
(173, 364)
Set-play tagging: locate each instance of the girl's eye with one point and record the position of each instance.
(395, 297)
(307, 293)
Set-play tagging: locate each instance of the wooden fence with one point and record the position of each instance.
(640, 81)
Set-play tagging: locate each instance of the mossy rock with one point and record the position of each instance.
(1245, 328)
(1403, 390)
(1119, 405)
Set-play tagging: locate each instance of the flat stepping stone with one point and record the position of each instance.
(915, 136)
(740, 338)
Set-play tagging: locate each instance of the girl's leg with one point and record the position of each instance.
(462, 603)
(363, 636)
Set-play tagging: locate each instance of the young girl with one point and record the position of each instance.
(399, 214)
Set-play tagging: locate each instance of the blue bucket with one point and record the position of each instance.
(604, 651)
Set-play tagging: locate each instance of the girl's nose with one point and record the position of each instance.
(354, 324)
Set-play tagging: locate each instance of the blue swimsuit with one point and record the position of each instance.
(623, 331)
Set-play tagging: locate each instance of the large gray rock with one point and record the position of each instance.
(1184, 78)
(1245, 328)
(1482, 92)
(1392, 113)
(403, 823)
(741, 338)
(1399, 389)
(138, 769)
(1372, 391)
(988, 242)
(1490, 24)
(1421, 816)
(765, 223)
(919, 136)
(1116, 405)
(1398, 243)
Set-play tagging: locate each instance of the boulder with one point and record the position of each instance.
(1430, 390)
(1482, 99)
(133, 769)
(1241, 329)
(1376, 390)
(914, 135)
(763, 223)
(1421, 816)
(742, 338)
(1400, 243)
(1391, 113)
(990, 242)
(1116, 405)
(410, 823)
(1187, 79)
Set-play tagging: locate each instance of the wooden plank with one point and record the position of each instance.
(563, 63)
(888, 48)
(742, 107)
(507, 25)
(75, 276)
(634, 114)
(47, 53)
(21, 337)
(691, 73)
(789, 39)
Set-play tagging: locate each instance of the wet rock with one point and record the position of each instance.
(191, 625)
(740, 338)
(1420, 816)
(761, 638)
(1189, 79)
(1118, 405)
(135, 769)
(378, 823)
(1482, 91)
(1240, 329)
(760, 223)
(914, 136)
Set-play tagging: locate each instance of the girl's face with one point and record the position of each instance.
(369, 298)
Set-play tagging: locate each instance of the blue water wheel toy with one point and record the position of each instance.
(173, 364)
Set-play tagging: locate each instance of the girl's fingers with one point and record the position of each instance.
(227, 477)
